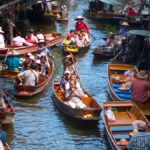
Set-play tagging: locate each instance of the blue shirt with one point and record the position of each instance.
(140, 141)
(123, 31)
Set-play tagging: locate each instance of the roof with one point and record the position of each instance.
(111, 2)
(145, 33)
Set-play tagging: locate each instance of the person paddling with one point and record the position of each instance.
(81, 25)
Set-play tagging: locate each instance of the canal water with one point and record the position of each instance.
(38, 125)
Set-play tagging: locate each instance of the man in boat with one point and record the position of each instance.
(74, 96)
(13, 61)
(20, 41)
(28, 77)
(2, 40)
(141, 140)
(40, 35)
(2, 136)
(80, 24)
(124, 29)
(140, 87)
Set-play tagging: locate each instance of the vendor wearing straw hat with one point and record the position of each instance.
(140, 87)
(81, 25)
(124, 29)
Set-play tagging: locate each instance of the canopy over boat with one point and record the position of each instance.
(145, 33)
(111, 2)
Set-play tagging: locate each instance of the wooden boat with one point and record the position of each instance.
(125, 113)
(28, 91)
(117, 71)
(6, 114)
(51, 40)
(8, 74)
(103, 52)
(70, 48)
(89, 114)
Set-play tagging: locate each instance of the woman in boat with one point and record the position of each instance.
(80, 24)
(140, 87)
(40, 35)
(31, 38)
(2, 40)
(74, 96)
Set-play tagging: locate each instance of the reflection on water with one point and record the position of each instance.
(38, 124)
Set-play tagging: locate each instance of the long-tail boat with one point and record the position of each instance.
(51, 40)
(28, 91)
(121, 127)
(116, 71)
(89, 114)
(6, 114)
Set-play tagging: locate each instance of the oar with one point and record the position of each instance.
(92, 36)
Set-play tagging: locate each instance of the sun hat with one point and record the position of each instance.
(67, 72)
(142, 74)
(41, 41)
(29, 54)
(139, 124)
(64, 7)
(32, 57)
(123, 142)
(125, 24)
(79, 18)
(1, 31)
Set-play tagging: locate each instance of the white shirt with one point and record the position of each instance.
(40, 36)
(2, 43)
(19, 41)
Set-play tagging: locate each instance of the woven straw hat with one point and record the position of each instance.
(79, 18)
(125, 24)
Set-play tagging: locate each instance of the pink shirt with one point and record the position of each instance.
(139, 90)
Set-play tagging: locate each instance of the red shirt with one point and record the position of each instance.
(131, 12)
(139, 90)
(81, 25)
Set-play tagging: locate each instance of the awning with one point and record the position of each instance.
(145, 33)
(111, 2)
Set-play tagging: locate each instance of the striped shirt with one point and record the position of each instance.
(140, 141)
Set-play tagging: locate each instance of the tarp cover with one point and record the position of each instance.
(145, 33)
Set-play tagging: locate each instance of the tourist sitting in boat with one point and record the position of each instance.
(72, 35)
(42, 48)
(74, 96)
(38, 66)
(124, 29)
(65, 82)
(68, 40)
(141, 140)
(2, 40)
(2, 136)
(86, 37)
(31, 38)
(131, 12)
(44, 64)
(20, 41)
(80, 24)
(40, 35)
(13, 62)
(140, 87)
(81, 42)
(28, 77)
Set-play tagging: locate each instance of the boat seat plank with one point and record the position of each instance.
(120, 136)
(121, 128)
(122, 118)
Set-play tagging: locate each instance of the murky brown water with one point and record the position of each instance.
(38, 124)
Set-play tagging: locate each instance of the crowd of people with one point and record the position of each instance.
(131, 8)
(70, 85)
(80, 36)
